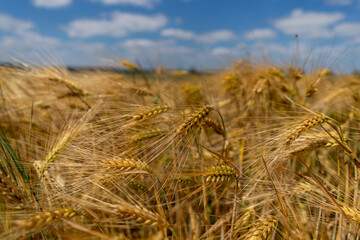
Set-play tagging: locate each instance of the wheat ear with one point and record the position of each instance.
(70, 84)
(8, 190)
(195, 119)
(219, 173)
(305, 126)
(263, 229)
(147, 135)
(215, 125)
(123, 164)
(151, 113)
(140, 215)
(46, 219)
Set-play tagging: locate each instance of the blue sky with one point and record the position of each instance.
(180, 33)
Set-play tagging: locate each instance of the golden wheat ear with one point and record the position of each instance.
(263, 229)
(70, 131)
(46, 219)
(195, 119)
(305, 126)
(151, 113)
(71, 85)
(11, 193)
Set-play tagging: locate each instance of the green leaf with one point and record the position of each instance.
(9, 154)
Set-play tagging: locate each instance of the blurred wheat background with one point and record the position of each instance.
(224, 142)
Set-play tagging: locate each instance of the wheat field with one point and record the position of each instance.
(256, 151)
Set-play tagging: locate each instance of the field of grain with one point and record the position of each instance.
(256, 151)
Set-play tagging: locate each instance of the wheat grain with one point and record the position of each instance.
(147, 135)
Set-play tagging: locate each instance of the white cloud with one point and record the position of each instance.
(29, 40)
(260, 33)
(139, 3)
(150, 52)
(308, 24)
(13, 25)
(51, 3)
(140, 42)
(215, 36)
(38, 49)
(28, 46)
(221, 51)
(177, 33)
(338, 2)
(209, 37)
(86, 47)
(347, 29)
(120, 24)
(141, 45)
(273, 49)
